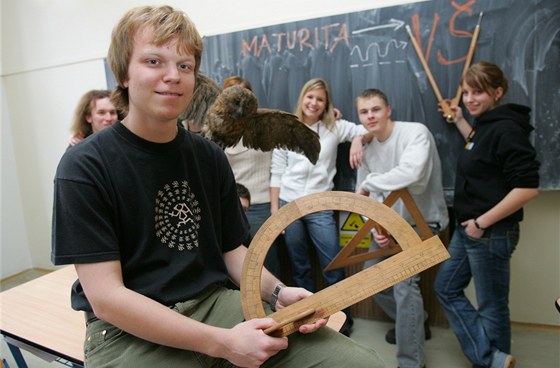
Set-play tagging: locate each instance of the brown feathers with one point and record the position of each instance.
(235, 115)
(204, 95)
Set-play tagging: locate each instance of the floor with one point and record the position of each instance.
(533, 347)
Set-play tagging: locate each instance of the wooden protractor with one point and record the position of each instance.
(415, 257)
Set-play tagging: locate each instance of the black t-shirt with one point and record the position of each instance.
(167, 211)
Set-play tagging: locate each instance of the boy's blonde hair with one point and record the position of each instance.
(166, 23)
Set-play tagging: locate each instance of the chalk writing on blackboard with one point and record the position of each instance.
(371, 48)
(302, 38)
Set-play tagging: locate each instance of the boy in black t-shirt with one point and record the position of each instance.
(150, 217)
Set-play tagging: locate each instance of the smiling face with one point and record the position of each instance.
(375, 116)
(478, 101)
(314, 104)
(103, 114)
(160, 80)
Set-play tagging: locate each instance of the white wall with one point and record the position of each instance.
(52, 53)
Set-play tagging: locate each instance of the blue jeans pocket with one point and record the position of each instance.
(503, 240)
(500, 240)
(505, 245)
(472, 241)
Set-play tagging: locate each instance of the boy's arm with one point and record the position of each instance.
(244, 344)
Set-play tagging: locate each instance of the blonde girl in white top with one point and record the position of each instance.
(294, 176)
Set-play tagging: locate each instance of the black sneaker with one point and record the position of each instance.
(391, 336)
(346, 328)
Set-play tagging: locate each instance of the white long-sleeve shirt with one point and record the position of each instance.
(407, 159)
(296, 176)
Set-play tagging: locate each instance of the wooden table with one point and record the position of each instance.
(37, 317)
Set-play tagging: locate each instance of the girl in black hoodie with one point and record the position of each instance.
(497, 174)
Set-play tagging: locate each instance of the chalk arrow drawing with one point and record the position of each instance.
(393, 23)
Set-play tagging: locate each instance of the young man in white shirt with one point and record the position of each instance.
(401, 155)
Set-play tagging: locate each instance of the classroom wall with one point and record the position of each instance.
(52, 52)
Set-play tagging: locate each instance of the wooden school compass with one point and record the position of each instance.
(445, 104)
(416, 256)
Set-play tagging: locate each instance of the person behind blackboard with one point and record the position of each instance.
(293, 177)
(497, 174)
(251, 168)
(94, 112)
(401, 155)
(150, 217)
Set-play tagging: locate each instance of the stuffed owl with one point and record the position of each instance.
(235, 115)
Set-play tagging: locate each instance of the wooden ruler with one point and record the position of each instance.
(415, 257)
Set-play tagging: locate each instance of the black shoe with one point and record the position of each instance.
(346, 328)
(391, 336)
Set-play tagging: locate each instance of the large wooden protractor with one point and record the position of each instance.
(415, 257)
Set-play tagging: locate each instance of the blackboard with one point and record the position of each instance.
(371, 48)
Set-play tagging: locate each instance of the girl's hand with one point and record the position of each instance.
(455, 109)
(471, 229)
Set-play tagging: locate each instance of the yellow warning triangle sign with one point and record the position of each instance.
(353, 222)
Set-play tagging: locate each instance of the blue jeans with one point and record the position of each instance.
(257, 215)
(403, 303)
(321, 228)
(486, 261)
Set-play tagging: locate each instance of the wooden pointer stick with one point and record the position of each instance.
(443, 103)
(455, 100)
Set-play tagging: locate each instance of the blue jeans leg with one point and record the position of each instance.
(257, 215)
(485, 329)
(295, 239)
(404, 304)
(322, 231)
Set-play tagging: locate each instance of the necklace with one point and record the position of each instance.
(470, 144)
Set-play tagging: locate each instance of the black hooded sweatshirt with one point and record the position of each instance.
(500, 158)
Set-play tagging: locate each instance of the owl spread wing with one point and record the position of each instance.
(204, 95)
(268, 129)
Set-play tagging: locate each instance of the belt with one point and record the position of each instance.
(90, 317)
